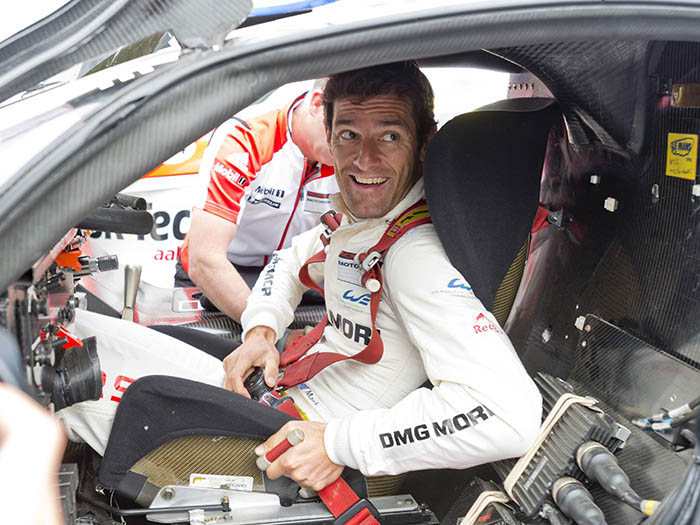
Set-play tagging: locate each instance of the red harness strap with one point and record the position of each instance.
(338, 497)
(299, 369)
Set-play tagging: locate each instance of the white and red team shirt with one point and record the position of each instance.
(260, 180)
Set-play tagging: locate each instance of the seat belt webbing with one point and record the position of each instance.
(299, 369)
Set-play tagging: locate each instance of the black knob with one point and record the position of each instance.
(255, 383)
(107, 263)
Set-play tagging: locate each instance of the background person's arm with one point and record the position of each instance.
(210, 269)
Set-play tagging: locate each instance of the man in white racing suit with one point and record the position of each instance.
(375, 417)
(372, 417)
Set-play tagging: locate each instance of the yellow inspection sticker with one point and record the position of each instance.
(682, 155)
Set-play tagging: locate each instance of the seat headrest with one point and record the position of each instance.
(482, 174)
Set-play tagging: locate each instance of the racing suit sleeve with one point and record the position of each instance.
(278, 291)
(483, 406)
(240, 151)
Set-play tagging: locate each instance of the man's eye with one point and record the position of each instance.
(390, 137)
(347, 134)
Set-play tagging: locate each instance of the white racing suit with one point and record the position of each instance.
(483, 406)
(128, 351)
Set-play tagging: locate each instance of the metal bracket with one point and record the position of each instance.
(560, 218)
(246, 506)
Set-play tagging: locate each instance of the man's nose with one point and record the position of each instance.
(367, 155)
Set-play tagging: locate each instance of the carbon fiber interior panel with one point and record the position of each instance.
(633, 377)
(579, 75)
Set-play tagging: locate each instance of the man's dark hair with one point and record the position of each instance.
(401, 79)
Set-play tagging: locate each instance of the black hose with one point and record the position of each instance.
(695, 402)
(687, 512)
(574, 500)
(677, 507)
(689, 435)
(685, 418)
(600, 465)
(689, 483)
(131, 201)
(118, 220)
(646, 422)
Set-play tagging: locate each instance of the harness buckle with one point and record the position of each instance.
(368, 262)
(331, 220)
(326, 237)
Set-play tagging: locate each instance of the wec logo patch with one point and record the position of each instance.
(458, 283)
(456, 288)
(362, 300)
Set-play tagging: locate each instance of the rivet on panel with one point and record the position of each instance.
(655, 193)
(610, 204)
(546, 334)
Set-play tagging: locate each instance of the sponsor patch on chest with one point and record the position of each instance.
(348, 270)
(357, 300)
(316, 202)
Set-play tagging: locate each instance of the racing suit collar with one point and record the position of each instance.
(416, 193)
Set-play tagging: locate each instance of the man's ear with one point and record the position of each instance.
(325, 125)
(316, 102)
(427, 140)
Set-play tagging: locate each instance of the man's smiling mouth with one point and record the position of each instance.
(369, 180)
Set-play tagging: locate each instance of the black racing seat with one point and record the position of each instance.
(482, 177)
(482, 173)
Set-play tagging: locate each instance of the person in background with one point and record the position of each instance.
(271, 178)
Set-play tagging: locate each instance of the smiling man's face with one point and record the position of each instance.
(376, 153)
